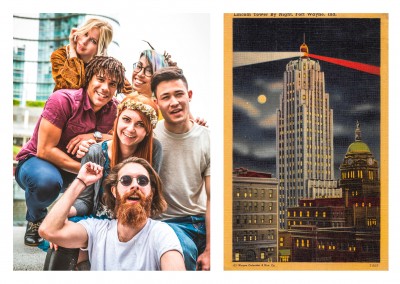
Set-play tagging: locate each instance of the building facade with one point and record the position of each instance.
(360, 181)
(304, 133)
(342, 225)
(254, 217)
(36, 36)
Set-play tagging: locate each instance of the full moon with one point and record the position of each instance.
(262, 99)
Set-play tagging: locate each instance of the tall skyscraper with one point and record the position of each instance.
(304, 133)
(36, 36)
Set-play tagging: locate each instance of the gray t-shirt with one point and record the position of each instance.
(185, 164)
(142, 252)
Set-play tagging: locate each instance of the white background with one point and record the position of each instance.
(213, 112)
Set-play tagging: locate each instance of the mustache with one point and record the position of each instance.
(133, 195)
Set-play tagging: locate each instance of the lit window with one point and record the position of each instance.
(237, 256)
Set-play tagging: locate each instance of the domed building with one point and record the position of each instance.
(361, 195)
(360, 175)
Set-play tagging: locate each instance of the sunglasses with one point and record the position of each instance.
(141, 180)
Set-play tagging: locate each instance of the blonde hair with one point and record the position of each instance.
(106, 33)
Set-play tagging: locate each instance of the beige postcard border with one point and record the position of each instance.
(228, 141)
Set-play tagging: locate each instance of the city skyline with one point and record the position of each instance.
(354, 95)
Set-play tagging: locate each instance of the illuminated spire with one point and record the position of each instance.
(304, 47)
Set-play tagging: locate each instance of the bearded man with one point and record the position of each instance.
(131, 241)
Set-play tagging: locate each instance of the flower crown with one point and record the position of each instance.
(144, 108)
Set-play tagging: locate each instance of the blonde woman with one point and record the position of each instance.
(68, 62)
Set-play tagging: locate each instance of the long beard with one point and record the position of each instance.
(133, 214)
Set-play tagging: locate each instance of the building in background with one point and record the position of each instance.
(35, 37)
(342, 225)
(361, 185)
(254, 217)
(304, 133)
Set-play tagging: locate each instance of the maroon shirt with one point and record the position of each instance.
(70, 110)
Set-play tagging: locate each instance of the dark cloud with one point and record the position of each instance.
(354, 95)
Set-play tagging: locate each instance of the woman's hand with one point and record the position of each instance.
(201, 121)
(73, 144)
(84, 148)
(72, 43)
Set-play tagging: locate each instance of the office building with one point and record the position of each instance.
(254, 217)
(304, 133)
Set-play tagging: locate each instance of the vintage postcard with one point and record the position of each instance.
(306, 141)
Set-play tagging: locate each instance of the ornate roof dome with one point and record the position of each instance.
(358, 147)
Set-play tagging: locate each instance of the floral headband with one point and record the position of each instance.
(144, 108)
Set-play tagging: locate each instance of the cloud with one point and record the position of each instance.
(268, 121)
(257, 149)
(241, 148)
(271, 87)
(265, 151)
(339, 130)
(365, 108)
(247, 107)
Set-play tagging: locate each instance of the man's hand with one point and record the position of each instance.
(203, 261)
(201, 121)
(73, 145)
(84, 148)
(90, 173)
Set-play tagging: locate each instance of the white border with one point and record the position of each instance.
(216, 8)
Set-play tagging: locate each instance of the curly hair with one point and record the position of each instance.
(105, 65)
(158, 204)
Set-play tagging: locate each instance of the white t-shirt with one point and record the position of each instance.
(185, 164)
(142, 252)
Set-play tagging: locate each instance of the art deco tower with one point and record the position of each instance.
(304, 133)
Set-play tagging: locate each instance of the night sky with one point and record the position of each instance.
(354, 95)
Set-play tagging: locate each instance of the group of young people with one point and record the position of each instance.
(136, 189)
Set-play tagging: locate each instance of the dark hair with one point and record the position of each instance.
(105, 65)
(167, 74)
(158, 204)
